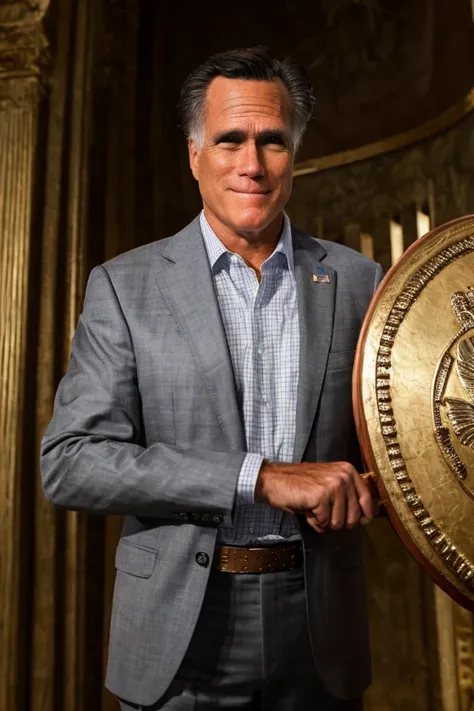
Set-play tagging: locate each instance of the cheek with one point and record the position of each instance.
(281, 170)
(284, 180)
(215, 166)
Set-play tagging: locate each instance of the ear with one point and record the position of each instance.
(193, 158)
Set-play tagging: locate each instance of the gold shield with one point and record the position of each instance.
(414, 402)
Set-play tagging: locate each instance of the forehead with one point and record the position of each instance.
(230, 101)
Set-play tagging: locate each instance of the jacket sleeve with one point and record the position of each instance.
(92, 458)
(379, 275)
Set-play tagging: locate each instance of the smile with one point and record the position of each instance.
(250, 192)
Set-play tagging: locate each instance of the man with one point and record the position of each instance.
(208, 399)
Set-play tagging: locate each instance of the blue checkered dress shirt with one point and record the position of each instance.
(262, 328)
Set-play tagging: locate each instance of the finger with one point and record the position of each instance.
(353, 506)
(313, 522)
(322, 510)
(339, 505)
(309, 516)
(366, 502)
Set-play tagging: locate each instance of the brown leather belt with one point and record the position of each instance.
(271, 559)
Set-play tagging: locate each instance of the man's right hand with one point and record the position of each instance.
(330, 495)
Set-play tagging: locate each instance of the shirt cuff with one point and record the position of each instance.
(245, 492)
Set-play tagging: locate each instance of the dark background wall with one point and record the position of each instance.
(378, 67)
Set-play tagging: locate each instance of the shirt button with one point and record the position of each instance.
(202, 559)
(251, 530)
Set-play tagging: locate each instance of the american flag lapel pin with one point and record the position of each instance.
(321, 275)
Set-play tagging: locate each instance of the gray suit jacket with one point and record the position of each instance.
(146, 424)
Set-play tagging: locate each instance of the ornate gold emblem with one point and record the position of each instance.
(453, 415)
(414, 402)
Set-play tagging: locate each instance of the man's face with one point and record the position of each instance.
(244, 167)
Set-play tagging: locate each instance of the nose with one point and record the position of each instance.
(250, 164)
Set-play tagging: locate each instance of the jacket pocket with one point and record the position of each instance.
(135, 560)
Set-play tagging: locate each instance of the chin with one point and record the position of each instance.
(252, 220)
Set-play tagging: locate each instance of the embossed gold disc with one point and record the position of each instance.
(414, 402)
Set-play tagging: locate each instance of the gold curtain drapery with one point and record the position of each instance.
(66, 203)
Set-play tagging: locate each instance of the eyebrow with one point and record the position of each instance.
(239, 136)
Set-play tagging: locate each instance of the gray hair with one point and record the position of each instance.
(257, 64)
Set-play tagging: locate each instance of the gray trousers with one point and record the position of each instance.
(250, 650)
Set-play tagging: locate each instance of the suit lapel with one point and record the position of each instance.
(316, 313)
(186, 283)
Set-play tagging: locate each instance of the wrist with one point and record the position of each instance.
(266, 473)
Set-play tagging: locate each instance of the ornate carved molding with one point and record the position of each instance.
(393, 143)
(22, 51)
(438, 169)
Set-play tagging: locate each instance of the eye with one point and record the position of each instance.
(275, 140)
(230, 138)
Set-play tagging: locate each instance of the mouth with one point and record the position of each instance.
(251, 192)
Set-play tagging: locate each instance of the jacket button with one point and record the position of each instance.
(202, 559)
(181, 516)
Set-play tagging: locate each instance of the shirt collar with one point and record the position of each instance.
(215, 249)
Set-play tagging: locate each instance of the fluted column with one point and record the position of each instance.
(21, 46)
(65, 675)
